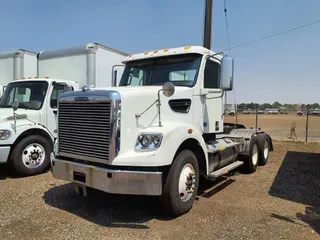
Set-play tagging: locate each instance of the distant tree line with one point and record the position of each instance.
(289, 107)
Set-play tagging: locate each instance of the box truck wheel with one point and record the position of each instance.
(182, 183)
(31, 155)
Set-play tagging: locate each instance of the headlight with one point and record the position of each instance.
(149, 141)
(5, 134)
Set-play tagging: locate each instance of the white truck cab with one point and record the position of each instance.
(158, 131)
(28, 129)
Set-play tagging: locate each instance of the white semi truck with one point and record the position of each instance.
(156, 134)
(15, 65)
(29, 106)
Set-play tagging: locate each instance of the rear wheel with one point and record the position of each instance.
(251, 160)
(31, 156)
(263, 148)
(181, 186)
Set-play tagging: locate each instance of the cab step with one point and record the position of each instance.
(225, 169)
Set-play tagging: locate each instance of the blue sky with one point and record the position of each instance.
(284, 68)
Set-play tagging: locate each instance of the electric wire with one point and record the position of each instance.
(273, 35)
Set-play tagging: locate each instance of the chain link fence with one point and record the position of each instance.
(281, 125)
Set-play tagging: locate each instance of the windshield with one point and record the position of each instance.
(30, 95)
(181, 70)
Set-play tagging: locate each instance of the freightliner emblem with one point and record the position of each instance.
(81, 99)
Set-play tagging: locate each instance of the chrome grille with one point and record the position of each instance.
(84, 130)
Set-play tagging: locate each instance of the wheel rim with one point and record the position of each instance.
(33, 155)
(266, 149)
(255, 154)
(187, 182)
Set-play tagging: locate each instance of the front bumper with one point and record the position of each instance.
(4, 154)
(108, 180)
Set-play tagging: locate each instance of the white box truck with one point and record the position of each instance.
(164, 132)
(28, 109)
(90, 64)
(15, 65)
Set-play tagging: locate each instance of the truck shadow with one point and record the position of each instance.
(5, 172)
(108, 210)
(298, 180)
(120, 211)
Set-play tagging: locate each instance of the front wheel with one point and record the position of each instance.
(181, 186)
(31, 156)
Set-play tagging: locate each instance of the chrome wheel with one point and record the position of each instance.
(187, 182)
(266, 149)
(255, 154)
(33, 155)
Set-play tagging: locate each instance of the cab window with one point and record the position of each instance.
(58, 89)
(211, 75)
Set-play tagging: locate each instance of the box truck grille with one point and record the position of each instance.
(84, 130)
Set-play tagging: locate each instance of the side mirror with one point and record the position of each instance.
(115, 74)
(226, 78)
(15, 106)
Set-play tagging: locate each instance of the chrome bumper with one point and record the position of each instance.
(4, 154)
(108, 180)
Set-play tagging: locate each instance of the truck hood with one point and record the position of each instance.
(6, 115)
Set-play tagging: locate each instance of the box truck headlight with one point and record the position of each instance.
(148, 141)
(5, 134)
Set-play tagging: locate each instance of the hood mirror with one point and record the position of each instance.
(168, 89)
(15, 105)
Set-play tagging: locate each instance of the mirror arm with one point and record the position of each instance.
(138, 115)
(220, 96)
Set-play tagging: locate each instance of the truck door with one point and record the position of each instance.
(58, 88)
(212, 101)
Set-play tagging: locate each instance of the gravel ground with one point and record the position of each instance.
(279, 201)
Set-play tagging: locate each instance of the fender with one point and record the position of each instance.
(27, 130)
(174, 135)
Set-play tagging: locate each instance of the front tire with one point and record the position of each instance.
(181, 186)
(31, 156)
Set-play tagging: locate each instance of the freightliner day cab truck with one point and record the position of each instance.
(29, 106)
(155, 134)
(16, 64)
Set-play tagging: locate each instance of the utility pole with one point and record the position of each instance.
(207, 24)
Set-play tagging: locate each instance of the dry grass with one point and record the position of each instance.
(278, 126)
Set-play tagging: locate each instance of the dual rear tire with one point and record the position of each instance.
(259, 149)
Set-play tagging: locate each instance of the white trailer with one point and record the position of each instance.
(28, 109)
(16, 64)
(162, 136)
(90, 64)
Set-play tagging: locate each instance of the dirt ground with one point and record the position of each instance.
(278, 126)
(279, 201)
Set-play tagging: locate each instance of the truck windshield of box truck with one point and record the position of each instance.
(30, 95)
(181, 70)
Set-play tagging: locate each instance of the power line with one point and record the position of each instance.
(273, 35)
